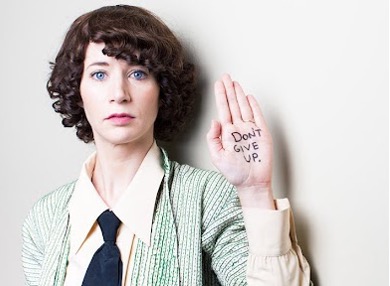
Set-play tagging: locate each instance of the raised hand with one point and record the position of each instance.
(240, 144)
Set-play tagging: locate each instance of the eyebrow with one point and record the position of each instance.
(105, 64)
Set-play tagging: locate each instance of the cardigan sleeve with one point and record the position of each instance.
(32, 250)
(45, 238)
(261, 250)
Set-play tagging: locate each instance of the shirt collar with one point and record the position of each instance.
(135, 208)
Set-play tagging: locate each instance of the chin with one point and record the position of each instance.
(131, 140)
(126, 137)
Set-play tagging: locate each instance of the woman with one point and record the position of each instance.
(121, 78)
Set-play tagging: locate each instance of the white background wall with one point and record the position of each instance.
(320, 71)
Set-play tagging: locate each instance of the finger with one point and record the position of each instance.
(257, 114)
(246, 109)
(222, 103)
(214, 140)
(232, 98)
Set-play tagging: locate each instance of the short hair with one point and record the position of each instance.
(138, 36)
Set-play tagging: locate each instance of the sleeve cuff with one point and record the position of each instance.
(268, 231)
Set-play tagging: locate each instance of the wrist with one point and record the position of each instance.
(258, 196)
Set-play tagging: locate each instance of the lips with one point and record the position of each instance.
(119, 115)
(120, 119)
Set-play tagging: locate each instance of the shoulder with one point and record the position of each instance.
(47, 215)
(57, 199)
(198, 177)
(211, 187)
(214, 189)
(192, 178)
(51, 206)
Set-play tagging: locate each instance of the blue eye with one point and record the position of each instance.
(99, 75)
(139, 75)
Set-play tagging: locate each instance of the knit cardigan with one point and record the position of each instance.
(198, 234)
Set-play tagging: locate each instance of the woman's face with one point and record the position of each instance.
(120, 100)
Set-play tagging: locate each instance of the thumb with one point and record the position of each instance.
(214, 141)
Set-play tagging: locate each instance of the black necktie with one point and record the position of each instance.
(105, 268)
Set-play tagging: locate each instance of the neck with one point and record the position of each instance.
(115, 168)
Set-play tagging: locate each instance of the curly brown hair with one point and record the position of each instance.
(138, 36)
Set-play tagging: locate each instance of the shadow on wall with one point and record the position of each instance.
(286, 174)
(178, 151)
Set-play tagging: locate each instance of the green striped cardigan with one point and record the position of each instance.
(198, 234)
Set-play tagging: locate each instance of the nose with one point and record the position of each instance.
(120, 90)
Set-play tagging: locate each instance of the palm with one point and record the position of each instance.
(240, 145)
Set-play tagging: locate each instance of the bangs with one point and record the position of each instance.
(133, 37)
